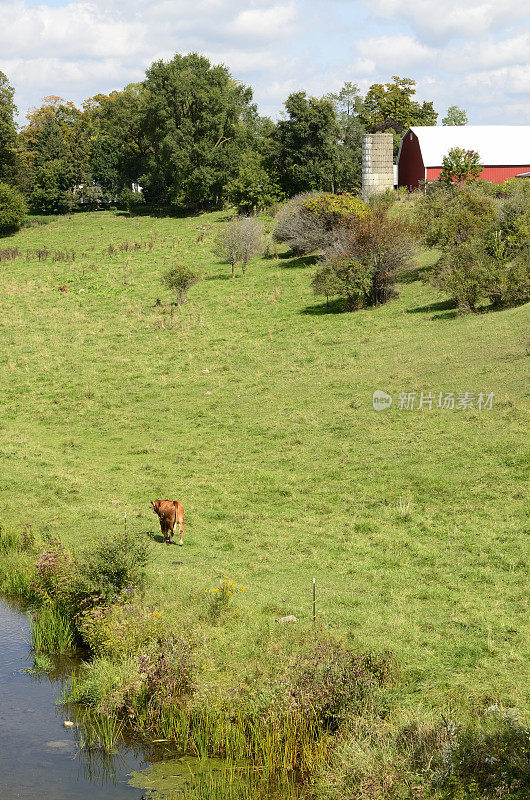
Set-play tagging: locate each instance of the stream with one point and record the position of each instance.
(40, 759)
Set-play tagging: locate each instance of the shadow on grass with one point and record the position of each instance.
(415, 274)
(443, 305)
(157, 537)
(337, 306)
(159, 212)
(221, 276)
(296, 262)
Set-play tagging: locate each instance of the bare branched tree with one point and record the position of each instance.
(239, 241)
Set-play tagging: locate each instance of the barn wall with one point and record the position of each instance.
(410, 163)
(492, 174)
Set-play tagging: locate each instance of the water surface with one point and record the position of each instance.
(39, 758)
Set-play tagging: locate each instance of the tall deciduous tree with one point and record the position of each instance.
(390, 108)
(56, 150)
(118, 141)
(8, 131)
(348, 104)
(455, 116)
(307, 145)
(194, 123)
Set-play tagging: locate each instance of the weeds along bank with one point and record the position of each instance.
(311, 718)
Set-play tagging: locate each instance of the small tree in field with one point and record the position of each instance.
(180, 279)
(364, 260)
(460, 166)
(240, 241)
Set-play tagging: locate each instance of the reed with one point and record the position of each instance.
(277, 744)
(51, 630)
(99, 731)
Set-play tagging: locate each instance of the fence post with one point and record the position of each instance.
(314, 599)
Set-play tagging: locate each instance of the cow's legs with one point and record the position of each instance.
(181, 530)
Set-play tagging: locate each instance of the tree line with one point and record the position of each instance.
(191, 136)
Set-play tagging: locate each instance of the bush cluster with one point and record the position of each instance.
(309, 220)
(484, 233)
(12, 209)
(364, 259)
(330, 682)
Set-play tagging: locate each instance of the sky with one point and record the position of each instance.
(472, 53)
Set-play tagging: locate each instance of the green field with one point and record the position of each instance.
(252, 404)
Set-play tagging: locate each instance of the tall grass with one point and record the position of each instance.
(17, 571)
(102, 731)
(275, 744)
(52, 630)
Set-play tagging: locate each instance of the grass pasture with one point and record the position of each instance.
(252, 404)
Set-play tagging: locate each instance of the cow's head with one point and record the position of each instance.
(156, 506)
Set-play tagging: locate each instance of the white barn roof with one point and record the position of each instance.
(495, 144)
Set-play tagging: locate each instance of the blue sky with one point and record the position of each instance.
(474, 54)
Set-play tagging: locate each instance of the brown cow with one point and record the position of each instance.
(170, 513)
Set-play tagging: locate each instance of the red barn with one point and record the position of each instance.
(503, 149)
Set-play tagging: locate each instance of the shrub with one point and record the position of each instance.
(252, 189)
(479, 269)
(121, 629)
(308, 221)
(446, 216)
(461, 273)
(12, 209)
(302, 233)
(90, 197)
(330, 681)
(180, 279)
(239, 241)
(56, 575)
(114, 564)
(460, 166)
(128, 199)
(363, 261)
(334, 209)
(488, 757)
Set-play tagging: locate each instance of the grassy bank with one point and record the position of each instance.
(252, 404)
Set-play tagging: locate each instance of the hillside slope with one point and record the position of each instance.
(253, 406)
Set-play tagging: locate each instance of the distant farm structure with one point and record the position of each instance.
(504, 151)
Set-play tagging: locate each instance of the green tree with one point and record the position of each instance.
(8, 131)
(390, 108)
(455, 116)
(118, 141)
(307, 145)
(52, 191)
(252, 189)
(180, 279)
(12, 209)
(460, 166)
(348, 104)
(56, 149)
(194, 124)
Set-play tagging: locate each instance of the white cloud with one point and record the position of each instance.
(393, 53)
(453, 17)
(488, 54)
(265, 22)
(277, 46)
